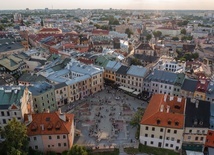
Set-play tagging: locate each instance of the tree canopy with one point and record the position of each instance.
(77, 150)
(128, 32)
(183, 31)
(16, 141)
(157, 34)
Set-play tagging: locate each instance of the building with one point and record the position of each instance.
(110, 71)
(50, 131)
(145, 48)
(201, 88)
(210, 134)
(61, 94)
(162, 124)
(197, 123)
(135, 76)
(15, 102)
(7, 79)
(169, 64)
(50, 31)
(210, 92)
(188, 88)
(43, 97)
(30, 78)
(121, 75)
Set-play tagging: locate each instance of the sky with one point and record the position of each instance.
(106, 4)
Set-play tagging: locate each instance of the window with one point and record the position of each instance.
(210, 133)
(169, 122)
(8, 113)
(171, 145)
(36, 147)
(146, 135)
(172, 139)
(161, 129)
(58, 137)
(34, 138)
(161, 137)
(167, 145)
(50, 137)
(178, 141)
(64, 136)
(168, 130)
(151, 142)
(147, 128)
(153, 129)
(176, 148)
(2, 113)
(189, 137)
(65, 144)
(190, 131)
(59, 144)
(202, 138)
(176, 123)
(4, 121)
(49, 146)
(152, 136)
(175, 131)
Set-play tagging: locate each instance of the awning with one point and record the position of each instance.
(126, 89)
(136, 93)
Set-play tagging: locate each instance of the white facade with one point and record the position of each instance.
(155, 136)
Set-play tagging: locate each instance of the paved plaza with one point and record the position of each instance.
(103, 120)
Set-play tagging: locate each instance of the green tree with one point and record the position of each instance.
(157, 34)
(148, 37)
(128, 32)
(183, 31)
(77, 150)
(2, 27)
(175, 38)
(16, 141)
(135, 61)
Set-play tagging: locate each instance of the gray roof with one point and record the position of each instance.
(197, 116)
(9, 45)
(138, 71)
(77, 79)
(210, 90)
(27, 77)
(10, 95)
(60, 85)
(163, 77)
(122, 70)
(40, 88)
(211, 116)
(113, 65)
(189, 85)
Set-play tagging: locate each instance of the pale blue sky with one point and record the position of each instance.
(105, 4)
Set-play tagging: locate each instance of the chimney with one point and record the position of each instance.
(171, 98)
(165, 97)
(161, 108)
(48, 110)
(59, 110)
(30, 117)
(42, 126)
(179, 99)
(168, 108)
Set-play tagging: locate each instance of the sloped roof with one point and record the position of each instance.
(138, 71)
(52, 123)
(156, 117)
(189, 85)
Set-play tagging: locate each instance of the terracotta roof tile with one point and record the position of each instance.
(48, 124)
(157, 114)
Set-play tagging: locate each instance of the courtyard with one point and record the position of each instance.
(103, 119)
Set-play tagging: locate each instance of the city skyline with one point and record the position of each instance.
(120, 4)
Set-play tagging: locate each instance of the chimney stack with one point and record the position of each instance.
(30, 117)
(165, 97)
(197, 103)
(161, 108)
(168, 108)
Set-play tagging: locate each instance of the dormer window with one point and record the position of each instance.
(176, 123)
(158, 121)
(169, 122)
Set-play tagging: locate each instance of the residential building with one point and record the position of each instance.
(210, 92)
(30, 78)
(50, 31)
(162, 124)
(135, 76)
(50, 131)
(121, 75)
(201, 88)
(43, 97)
(61, 94)
(188, 88)
(7, 79)
(197, 123)
(145, 48)
(110, 71)
(15, 102)
(210, 134)
(169, 64)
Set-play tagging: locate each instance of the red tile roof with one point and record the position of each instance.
(48, 124)
(100, 32)
(157, 114)
(49, 29)
(210, 139)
